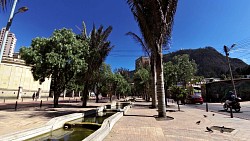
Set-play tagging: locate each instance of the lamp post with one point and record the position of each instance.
(7, 28)
(226, 49)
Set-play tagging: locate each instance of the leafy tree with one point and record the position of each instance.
(186, 69)
(142, 82)
(101, 80)
(60, 56)
(120, 85)
(178, 93)
(155, 20)
(170, 75)
(99, 48)
(147, 51)
(125, 73)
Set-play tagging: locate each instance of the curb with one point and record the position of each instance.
(107, 125)
(53, 124)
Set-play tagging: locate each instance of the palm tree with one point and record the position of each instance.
(155, 20)
(99, 48)
(147, 50)
(3, 3)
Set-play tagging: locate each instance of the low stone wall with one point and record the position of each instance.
(107, 125)
(58, 122)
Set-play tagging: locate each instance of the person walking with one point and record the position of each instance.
(33, 96)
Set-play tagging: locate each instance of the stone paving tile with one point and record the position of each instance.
(27, 118)
(140, 125)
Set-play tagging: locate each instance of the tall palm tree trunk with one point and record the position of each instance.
(160, 86)
(153, 83)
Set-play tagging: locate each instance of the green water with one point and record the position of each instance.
(73, 134)
(76, 133)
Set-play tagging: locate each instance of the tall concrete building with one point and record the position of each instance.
(142, 62)
(10, 43)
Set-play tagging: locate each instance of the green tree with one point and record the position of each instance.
(147, 51)
(120, 85)
(60, 56)
(155, 20)
(101, 80)
(125, 73)
(186, 69)
(142, 82)
(170, 75)
(99, 48)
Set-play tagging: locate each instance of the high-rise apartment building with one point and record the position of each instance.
(10, 43)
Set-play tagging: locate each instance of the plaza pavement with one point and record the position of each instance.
(139, 124)
(28, 117)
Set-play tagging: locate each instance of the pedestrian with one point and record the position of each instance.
(33, 96)
(37, 95)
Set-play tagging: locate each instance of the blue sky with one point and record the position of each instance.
(198, 23)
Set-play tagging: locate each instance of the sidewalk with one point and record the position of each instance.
(139, 124)
(33, 117)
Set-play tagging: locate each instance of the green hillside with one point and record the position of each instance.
(210, 62)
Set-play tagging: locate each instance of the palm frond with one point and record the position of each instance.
(155, 20)
(3, 4)
(84, 30)
(139, 40)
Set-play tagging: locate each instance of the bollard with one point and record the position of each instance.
(206, 107)
(178, 105)
(41, 104)
(172, 101)
(76, 99)
(231, 112)
(69, 99)
(22, 99)
(47, 98)
(16, 106)
(4, 100)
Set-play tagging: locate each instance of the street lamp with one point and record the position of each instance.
(12, 14)
(226, 49)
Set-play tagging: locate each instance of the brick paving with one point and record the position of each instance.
(139, 124)
(32, 117)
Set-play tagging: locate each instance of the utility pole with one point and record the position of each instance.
(226, 49)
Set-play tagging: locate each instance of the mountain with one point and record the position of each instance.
(210, 62)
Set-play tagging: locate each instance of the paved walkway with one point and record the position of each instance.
(139, 124)
(27, 117)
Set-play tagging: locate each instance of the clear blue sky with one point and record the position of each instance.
(198, 23)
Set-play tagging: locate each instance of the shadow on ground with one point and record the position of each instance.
(138, 115)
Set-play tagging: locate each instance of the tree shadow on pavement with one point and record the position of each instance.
(138, 115)
(229, 111)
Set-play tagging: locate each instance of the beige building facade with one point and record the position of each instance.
(15, 75)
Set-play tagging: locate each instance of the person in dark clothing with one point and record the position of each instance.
(33, 96)
(230, 97)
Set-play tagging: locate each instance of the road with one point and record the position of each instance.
(218, 108)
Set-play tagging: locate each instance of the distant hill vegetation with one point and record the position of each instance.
(210, 62)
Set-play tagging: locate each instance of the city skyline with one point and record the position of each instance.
(198, 23)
